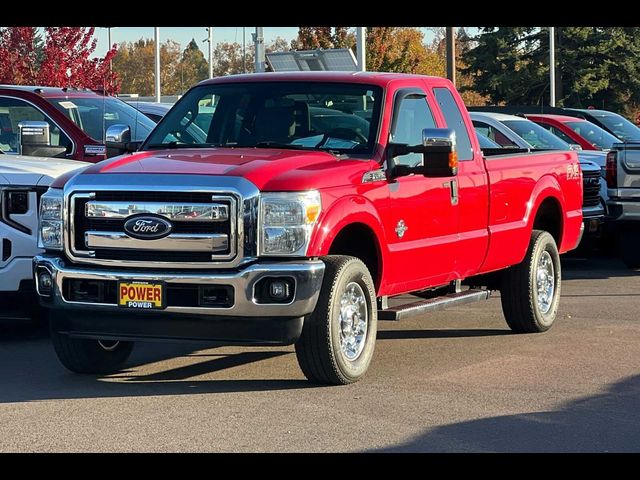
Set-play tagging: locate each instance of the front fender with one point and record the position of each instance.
(345, 211)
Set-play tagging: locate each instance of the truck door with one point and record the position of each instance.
(421, 219)
(472, 186)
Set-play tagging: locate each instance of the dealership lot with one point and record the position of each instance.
(456, 380)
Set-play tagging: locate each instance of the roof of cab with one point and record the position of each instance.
(559, 118)
(50, 92)
(377, 78)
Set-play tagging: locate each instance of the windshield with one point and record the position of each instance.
(94, 115)
(297, 115)
(620, 127)
(593, 134)
(535, 135)
(486, 142)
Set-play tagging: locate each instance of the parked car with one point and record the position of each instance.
(155, 111)
(623, 180)
(573, 130)
(78, 122)
(612, 122)
(512, 131)
(23, 180)
(303, 234)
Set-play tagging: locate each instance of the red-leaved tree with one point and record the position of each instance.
(63, 59)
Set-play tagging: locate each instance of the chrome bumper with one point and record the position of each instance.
(307, 275)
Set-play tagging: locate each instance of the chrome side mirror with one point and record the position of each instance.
(118, 134)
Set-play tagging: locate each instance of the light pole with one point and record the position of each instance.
(450, 40)
(361, 35)
(157, 62)
(210, 29)
(552, 66)
(258, 39)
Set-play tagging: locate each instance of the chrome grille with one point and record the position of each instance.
(204, 227)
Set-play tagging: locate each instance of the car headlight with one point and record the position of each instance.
(286, 222)
(51, 222)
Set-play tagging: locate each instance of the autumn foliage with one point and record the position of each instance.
(61, 59)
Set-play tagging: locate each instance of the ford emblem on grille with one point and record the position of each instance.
(147, 227)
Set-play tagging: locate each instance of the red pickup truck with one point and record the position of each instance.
(81, 124)
(275, 209)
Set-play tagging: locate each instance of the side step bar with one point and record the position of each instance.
(439, 303)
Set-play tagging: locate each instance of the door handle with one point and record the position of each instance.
(452, 185)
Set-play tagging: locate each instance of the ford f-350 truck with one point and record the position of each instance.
(291, 213)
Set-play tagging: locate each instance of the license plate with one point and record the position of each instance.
(593, 226)
(141, 295)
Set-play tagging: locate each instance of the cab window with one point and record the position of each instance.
(413, 117)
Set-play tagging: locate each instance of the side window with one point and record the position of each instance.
(494, 134)
(413, 117)
(12, 112)
(454, 120)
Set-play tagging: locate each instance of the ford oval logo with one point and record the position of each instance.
(147, 227)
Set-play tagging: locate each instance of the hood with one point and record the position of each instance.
(268, 169)
(34, 171)
(597, 156)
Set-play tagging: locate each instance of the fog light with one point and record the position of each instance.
(274, 290)
(45, 283)
(279, 290)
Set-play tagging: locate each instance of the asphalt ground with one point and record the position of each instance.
(450, 381)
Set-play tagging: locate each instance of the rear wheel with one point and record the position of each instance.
(338, 339)
(530, 291)
(89, 356)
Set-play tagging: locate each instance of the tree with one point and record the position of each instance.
(402, 50)
(62, 59)
(192, 68)
(135, 64)
(594, 66)
(310, 38)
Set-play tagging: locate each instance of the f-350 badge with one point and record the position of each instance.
(401, 228)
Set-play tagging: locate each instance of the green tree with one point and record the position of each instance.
(594, 66)
(192, 68)
(134, 64)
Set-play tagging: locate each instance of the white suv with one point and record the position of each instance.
(22, 181)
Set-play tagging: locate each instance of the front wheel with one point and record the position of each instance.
(338, 338)
(89, 356)
(628, 244)
(530, 291)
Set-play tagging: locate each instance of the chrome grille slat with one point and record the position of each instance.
(183, 212)
(185, 242)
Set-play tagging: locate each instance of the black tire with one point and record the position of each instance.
(89, 356)
(319, 351)
(519, 293)
(628, 245)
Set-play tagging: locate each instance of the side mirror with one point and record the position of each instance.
(574, 146)
(118, 140)
(34, 140)
(439, 158)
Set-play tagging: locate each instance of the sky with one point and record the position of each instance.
(183, 35)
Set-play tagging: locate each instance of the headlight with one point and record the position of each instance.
(51, 220)
(286, 222)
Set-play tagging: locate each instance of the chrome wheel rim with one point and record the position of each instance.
(109, 345)
(353, 321)
(545, 282)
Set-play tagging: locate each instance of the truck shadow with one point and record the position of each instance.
(440, 333)
(595, 267)
(30, 370)
(609, 422)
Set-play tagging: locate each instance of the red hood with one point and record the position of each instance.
(268, 169)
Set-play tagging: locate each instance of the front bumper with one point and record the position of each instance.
(246, 321)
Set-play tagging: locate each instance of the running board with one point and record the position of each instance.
(439, 303)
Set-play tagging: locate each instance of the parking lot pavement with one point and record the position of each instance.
(455, 380)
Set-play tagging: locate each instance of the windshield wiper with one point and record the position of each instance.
(171, 145)
(293, 146)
